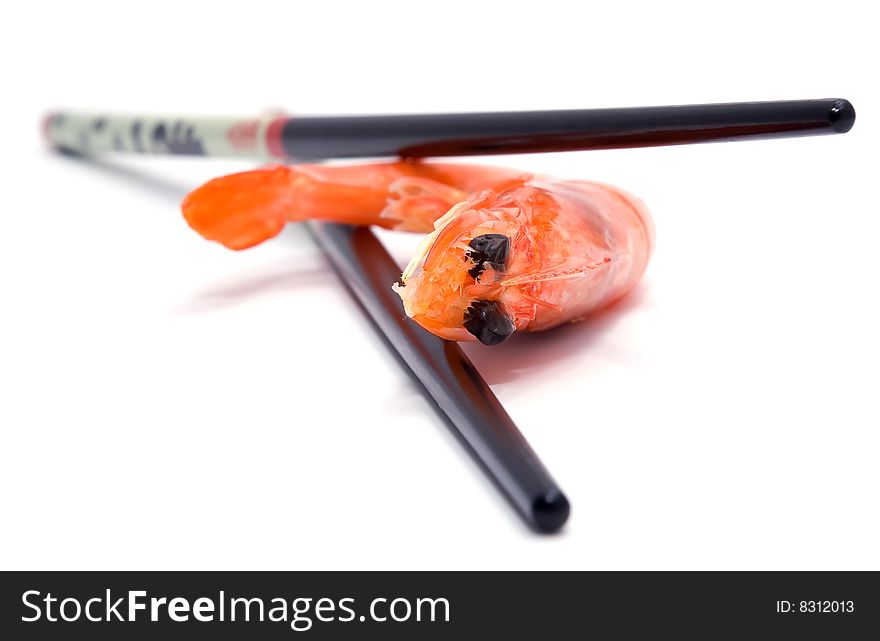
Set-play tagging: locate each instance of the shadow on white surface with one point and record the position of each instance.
(143, 180)
(532, 354)
(241, 290)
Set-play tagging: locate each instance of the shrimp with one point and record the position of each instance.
(504, 251)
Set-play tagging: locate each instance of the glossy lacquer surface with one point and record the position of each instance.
(447, 376)
(468, 134)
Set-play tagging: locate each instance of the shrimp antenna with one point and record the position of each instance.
(307, 138)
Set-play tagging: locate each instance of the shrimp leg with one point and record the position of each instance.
(242, 210)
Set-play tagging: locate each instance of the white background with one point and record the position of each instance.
(168, 404)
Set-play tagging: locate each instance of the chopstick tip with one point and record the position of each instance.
(550, 511)
(842, 116)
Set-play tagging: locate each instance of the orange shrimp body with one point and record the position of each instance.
(506, 252)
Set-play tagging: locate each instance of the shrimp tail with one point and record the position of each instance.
(241, 210)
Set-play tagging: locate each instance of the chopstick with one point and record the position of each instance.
(306, 138)
(446, 376)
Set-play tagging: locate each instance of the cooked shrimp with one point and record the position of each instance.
(505, 251)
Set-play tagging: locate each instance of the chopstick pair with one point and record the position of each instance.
(444, 372)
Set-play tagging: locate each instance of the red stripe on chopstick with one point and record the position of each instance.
(273, 137)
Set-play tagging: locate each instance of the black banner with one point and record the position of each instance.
(438, 605)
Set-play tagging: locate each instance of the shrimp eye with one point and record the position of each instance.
(488, 248)
(487, 321)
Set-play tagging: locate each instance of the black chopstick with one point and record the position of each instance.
(544, 131)
(305, 138)
(446, 376)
